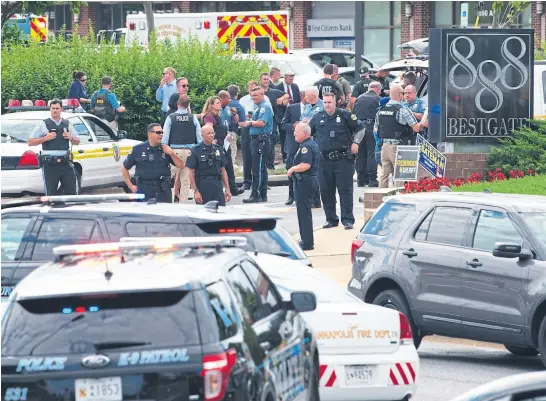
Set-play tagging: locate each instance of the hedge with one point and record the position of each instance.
(45, 72)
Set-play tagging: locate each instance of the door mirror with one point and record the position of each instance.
(303, 301)
(505, 250)
(122, 135)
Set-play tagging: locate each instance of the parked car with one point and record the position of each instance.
(97, 159)
(340, 57)
(467, 265)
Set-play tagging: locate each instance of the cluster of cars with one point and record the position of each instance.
(112, 299)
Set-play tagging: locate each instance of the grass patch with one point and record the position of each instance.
(531, 185)
(278, 171)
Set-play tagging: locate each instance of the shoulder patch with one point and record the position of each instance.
(189, 153)
(353, 117)
(262, 110)
(303, 150)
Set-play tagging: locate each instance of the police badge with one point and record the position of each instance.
(353, 117)
(303, 150)
(338, 120)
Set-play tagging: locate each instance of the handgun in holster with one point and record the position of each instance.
(261, 146)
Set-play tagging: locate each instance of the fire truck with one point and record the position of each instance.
(31, 26)
(248, 32)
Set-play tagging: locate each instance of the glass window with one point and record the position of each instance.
(376, 44)
(396, 41)
(101, 130)
(442, 13)
(387, 218)
(448, 225)
(543, 76)
(115, 230)
(13, 231)
(17, 131)
(421, 233)
(81, 128)
(142, 229)
(537, 223)
(56, 232)
(525, 17)
(221, 303)
(268, 297)
(377, 13)
(244, 292)
(396, 13)
(494, 226)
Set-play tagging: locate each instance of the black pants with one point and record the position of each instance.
(56, 173)
(161, 193)
(230, 172)
(337, 174)
(282, 140)
(211, 190)
(260, 147)
(273, 140)
(366, 166)
(305, 190)
(290, 163)
(247, 156)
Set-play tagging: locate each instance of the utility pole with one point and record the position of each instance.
(359, 36)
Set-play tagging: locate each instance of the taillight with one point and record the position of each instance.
(132, 26)
(406, 336)
(28, 159)
(357, 243)
(216, 370)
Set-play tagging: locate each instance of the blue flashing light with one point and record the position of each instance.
(67, 311)
(93, 309)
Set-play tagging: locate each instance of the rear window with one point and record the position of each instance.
(387, 218)
(17, 131)
(95, 323)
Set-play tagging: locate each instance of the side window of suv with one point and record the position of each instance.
(13, 233)
(245, 293)
(387, 218)
(445, 225)
(494, 226)
(269, 301)
(221, 303)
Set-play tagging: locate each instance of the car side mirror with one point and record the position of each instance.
(506, 250)
(122, 134)
(303, 301)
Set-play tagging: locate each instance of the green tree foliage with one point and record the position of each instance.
(525, 150)
(45, 72)
(506, 13)
(10, 8)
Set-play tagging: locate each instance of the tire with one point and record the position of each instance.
(542, 340)
(521, 351)
(314, 391)
(394, 299)
(78, 180)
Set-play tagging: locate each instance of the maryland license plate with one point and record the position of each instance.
(356, 375)
(103, 389)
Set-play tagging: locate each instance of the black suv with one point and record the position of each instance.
(469, 265)
(148, 321)
(29, 233)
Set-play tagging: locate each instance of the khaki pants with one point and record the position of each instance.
(233, 146)
(113, 125)
(182, 175)
(388, 160)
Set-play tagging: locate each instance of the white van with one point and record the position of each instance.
(539, 101)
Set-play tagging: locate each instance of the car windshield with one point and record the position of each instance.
(537, 224)
(17, 131)
(298, 67)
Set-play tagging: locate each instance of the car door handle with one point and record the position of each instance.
(410, 253)
(474, 263)
(106, 149)
(81, 151)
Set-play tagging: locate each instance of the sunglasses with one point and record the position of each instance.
(83, 80)
(184, 86)
(157, 132)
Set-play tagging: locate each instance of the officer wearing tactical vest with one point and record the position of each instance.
(395, 125)
(152, 162)
(182, 132)
(337, 133)
(56, 135)
(328, 85)
(365, 109)
(105, 105)
(206, 163)
(361, 86)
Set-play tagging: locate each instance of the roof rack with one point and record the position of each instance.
(146, 245)
(64, 199)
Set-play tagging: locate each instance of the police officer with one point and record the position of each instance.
(361, 86)
(261, 126)
(152, 171)
(56, 135)
(207, 163)
(395, 125)
(334, 131)
(366, 109)
(328, 85)
(105, 105)
(304, 173)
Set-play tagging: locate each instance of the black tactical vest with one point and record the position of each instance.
(389, 127)
(220, 130)
(103, 109)
(366, 107)
(183, 130)
(59, 143)
(327, 85)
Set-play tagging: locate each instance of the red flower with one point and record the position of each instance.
(513, 174)
(531, 172)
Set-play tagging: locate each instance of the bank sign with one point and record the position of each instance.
(330, 28)
(481, 81)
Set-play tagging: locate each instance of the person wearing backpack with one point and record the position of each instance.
(105, 105)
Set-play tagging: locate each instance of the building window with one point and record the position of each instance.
(58, 16)
(443, 14)
(485, 15)
(382, 30)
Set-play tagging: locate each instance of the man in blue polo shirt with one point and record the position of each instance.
(105, 105)
(167, 87)
(261, 127)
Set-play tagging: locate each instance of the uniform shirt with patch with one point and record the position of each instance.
(262, 112)
(150, 162)
(308, 152)
(327, 129)
(199, 157)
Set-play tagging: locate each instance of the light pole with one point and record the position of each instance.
(359, 36)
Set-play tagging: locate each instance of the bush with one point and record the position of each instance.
(530, 185)
(525, 150)
(45, 72)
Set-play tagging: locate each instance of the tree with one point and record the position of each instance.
(148, 10)
(506, 13)
(10, 8)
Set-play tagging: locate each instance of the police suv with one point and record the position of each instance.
(191, 319)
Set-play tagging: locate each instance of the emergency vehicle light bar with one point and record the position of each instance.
(90, 198)
(128, 245)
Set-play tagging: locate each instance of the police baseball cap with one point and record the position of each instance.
(364, 70)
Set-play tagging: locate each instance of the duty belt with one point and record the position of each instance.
(392, 141)
(334, 155)
(161, 181)
(49, 159)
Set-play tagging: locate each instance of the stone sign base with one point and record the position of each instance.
(462, 165)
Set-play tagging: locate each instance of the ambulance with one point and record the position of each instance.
(248, 32)
(31, 26)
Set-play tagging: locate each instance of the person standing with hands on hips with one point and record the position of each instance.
(206, 163)
(304, 173)
(334, 130)
(152, 162)
(56, 135)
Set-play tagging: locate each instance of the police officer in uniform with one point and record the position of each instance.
(152, 171)
(304, 173)
(56, 135)
(334, 130)
(105, 105)
(395, 125)
(207, 163)
(366, 109)
(261, 126)
(328, 85)
(361, 86)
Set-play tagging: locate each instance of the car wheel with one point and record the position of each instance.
(394, 299)
(314, 384)
(521, 351)
(542, 340)
(78, 180)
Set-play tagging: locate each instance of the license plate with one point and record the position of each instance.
(359, 374)
(103, 389)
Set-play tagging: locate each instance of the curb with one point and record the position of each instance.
(273, 180)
